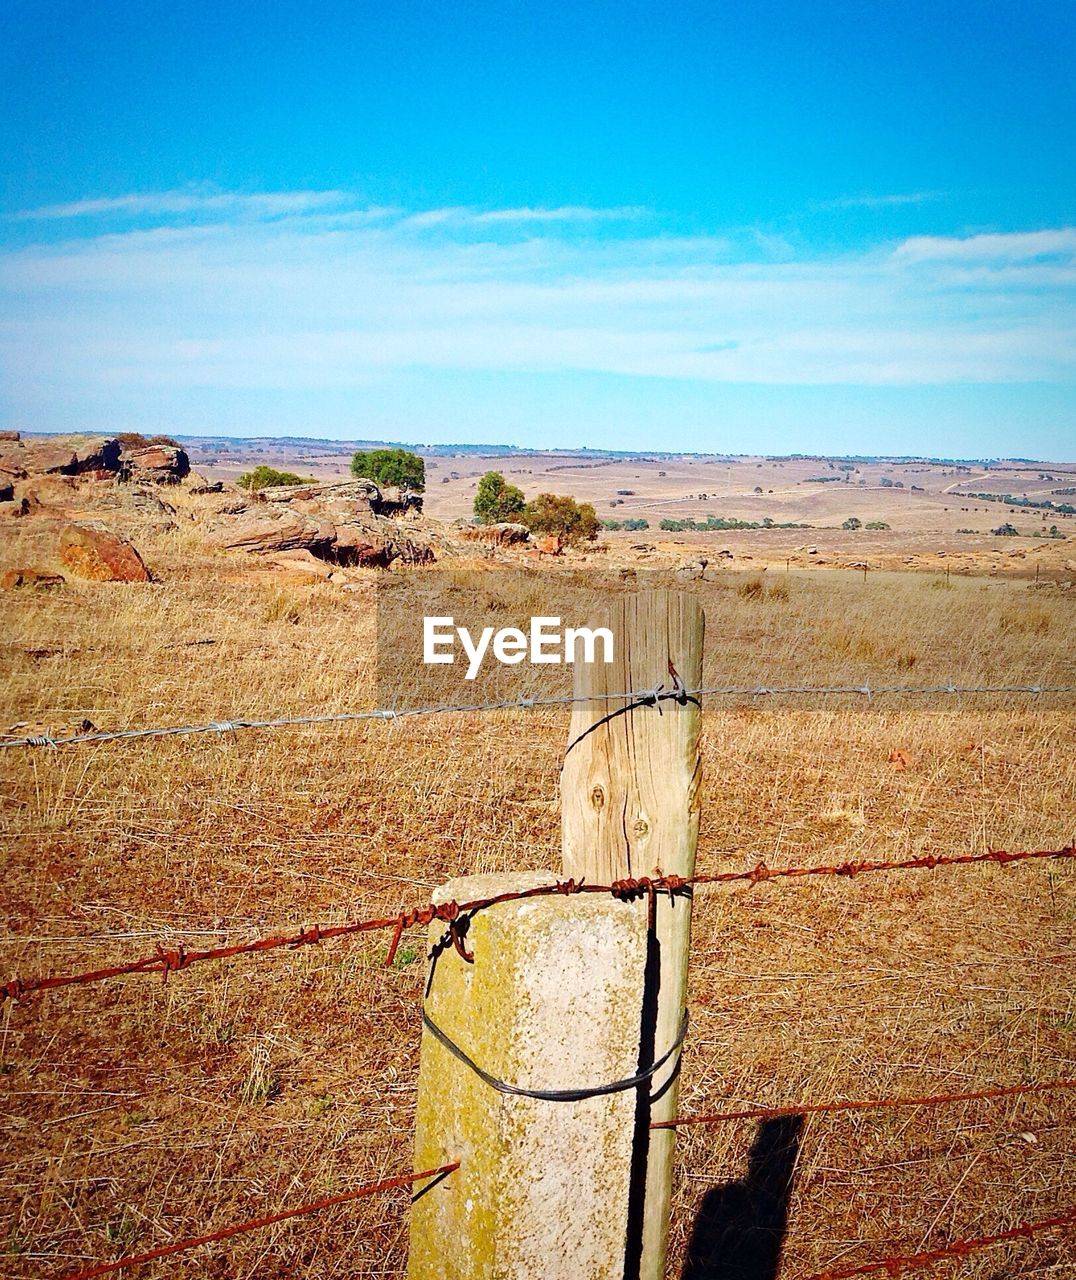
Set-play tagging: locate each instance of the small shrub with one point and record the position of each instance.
(264, 477)
(779, 592)
(751, 589)
(569, 520)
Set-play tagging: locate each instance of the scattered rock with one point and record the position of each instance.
(37, 578)
(157, 464)
(693, 570)
(415, 552)
(200, 484)
(505, 534)
(549, 545)
(94, 552)
(14, 509)
(301, 561)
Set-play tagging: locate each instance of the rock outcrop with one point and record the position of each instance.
(156, 464)
(94, 552)
(69, 456)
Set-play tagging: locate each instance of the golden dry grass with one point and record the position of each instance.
(139, 1112)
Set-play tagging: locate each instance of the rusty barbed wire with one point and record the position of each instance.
(866, 1104)
(254, 1224)
(900, 1263)
(166, 962)
(642, 697)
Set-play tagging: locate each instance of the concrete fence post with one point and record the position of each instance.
(550, 1001)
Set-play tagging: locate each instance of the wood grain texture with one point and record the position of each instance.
(629, 807)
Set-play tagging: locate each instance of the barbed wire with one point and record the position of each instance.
(254, 1224)
(899, 1263)
(166, 962)
(644, 697)
(868, 1104)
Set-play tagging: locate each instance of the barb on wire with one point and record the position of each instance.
(900, 1263)
(172, 961)
(642, 697)
(254, 1224)
(867, 1104)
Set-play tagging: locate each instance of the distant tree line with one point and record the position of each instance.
(1062, 508)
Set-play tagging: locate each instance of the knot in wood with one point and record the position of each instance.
(640, 827)
(597, 797)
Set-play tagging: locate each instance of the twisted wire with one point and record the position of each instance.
(642, 697)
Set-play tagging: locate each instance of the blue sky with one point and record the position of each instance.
(835, 227)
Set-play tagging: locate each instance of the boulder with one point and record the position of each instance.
(68, 456)
(14, 509)
(549, 545)
(505, 534)
(47, 491)
(415, 552)
(7, 490)
(364, 493)
(692, 570)
(37, 578)
(94, 552)
(301, 561)
(199, 483)
(9, 436)
(157, 464)
(41, 459)
(275, 531)
(356, 545)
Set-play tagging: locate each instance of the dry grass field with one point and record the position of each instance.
(137, 1112)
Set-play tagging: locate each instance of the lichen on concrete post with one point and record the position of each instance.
(551, 1001)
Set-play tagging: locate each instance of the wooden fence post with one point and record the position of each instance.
(629, 808)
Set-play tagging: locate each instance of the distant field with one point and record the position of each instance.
(926, 507)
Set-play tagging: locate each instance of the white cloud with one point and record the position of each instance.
(306, 290)
(877, 202)
(270, 204)
(991, 247)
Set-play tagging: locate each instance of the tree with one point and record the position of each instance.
(497, 500)
(853, 522)
(396, 467)
(263, 477)
(571, 521)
